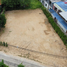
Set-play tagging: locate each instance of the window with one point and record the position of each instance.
(59, 11)
(55, 9)
(45, 4)
(50, 3)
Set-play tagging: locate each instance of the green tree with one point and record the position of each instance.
(15, 4)
(2, 20)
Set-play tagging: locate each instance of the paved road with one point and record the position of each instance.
(13, 61)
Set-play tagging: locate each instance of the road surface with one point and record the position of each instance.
(13, 61)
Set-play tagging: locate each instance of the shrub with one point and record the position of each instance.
(2, 21)
(2, 64)
(3, 44)
(6, 45)
(20, 65)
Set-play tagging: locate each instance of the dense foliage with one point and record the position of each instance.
(2, 21)
(15, 4)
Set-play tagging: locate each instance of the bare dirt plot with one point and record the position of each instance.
(30, 29)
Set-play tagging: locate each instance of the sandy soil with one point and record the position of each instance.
(30, 29)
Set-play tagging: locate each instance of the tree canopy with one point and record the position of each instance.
(2, 20)
(15, 4)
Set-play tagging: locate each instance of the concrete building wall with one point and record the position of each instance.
(46, 4)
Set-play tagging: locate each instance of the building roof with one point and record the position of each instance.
(61, 21)
(64, 15)
(62, 5)
(55, 0)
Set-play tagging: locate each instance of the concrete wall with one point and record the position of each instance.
(46, 4)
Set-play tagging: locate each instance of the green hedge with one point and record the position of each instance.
(2, 20)
(15, 4)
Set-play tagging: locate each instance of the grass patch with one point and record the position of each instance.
(35, 4)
